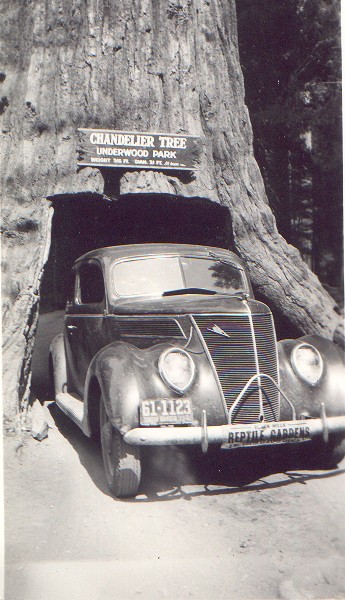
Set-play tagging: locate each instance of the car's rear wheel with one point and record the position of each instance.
(121, 461)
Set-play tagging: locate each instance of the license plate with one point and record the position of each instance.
(166, 411)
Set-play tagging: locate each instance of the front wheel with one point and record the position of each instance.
(121, 461)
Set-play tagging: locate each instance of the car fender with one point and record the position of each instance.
(123, 373)
(329, 389)
(57, 363)
(127, 374)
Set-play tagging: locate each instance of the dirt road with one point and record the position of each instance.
(238, 526)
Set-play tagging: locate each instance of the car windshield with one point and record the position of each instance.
(155, 276)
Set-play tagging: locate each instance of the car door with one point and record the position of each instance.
(85, 323)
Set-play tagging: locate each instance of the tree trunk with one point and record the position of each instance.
(134, 65)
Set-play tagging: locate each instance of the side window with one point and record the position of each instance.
(91, 284)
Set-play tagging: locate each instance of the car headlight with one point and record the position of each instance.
(177, 369)
(307, 363)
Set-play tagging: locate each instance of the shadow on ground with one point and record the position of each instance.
(167, 470)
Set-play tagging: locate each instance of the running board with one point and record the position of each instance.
(72, 406)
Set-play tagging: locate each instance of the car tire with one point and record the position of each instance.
(323, 455)
(122, 465)
(51, 380)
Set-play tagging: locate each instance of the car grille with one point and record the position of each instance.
(151, 328)
(234, 361)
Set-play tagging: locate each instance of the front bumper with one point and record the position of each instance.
(232, 436)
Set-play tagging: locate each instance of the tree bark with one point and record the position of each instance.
(134, 65)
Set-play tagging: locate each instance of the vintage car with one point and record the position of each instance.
(164, 344)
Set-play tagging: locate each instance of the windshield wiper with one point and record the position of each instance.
(196, 290)
(191, 290)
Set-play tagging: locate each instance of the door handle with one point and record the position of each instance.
(71, 327)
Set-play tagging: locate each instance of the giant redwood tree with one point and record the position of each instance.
(134, 65)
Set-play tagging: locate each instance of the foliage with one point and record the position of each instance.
(290, 56)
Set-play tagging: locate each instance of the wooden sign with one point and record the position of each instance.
(107, 148)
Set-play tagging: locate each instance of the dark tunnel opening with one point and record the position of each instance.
(82, 223)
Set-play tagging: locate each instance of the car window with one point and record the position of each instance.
(91, 284)
(157, 275)
(147, 276)
(217, 276)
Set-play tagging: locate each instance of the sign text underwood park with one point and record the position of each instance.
(107, 148)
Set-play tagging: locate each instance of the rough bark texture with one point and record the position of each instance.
(139, 65)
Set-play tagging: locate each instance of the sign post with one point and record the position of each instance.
(107, 148)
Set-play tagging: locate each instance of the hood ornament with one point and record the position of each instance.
(217, 329)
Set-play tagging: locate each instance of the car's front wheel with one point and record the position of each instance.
(121, 461)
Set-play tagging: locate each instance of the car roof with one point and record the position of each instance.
(132, 250)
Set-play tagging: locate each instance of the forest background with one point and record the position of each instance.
(290, 53)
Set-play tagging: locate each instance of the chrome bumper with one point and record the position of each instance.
(232, 436)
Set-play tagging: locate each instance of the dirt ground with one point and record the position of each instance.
(240, 525)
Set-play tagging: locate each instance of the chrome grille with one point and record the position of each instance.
(151, 328)
(234, 361)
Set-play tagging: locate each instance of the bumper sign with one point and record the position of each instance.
(268, 434)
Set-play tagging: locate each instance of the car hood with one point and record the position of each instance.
(188, 303)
